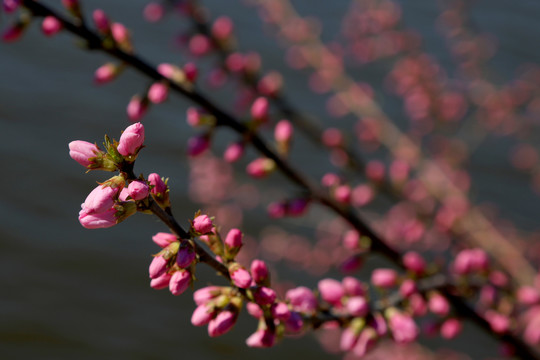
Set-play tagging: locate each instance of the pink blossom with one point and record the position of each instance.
(332, 137)
(222, 323)
(234, 238)
(100, 199)
(418, 304)
(259, 271)
(241, 277)
(331, 291)
(264, 295)
(158, 92)
(276, 210)
(499, 323)
(470, 260)
(254, 310)
(168, 71)
(157, 267)
(353, 286)
(260, 167)
(348, 339)
(51, 25)
(202, 315)
(159, 186)
(203, 295)
(375, 170)
(199, 45)
(531, 334)
(202, 224)
(222, 28)
(234, 152)
(281, 311)
(197, 145)
(342, 194)
(98, 220)
(179, 282)
(163, 239)
(451, 328)
(10, 6)
(190, 69)
(235, 62)
(185, 256)
(366, 341)
(120, 33)
(384, 278)
(83, 152)
(136, 108)
(438, 304)
(101, 20)
(261, 339)
(351, 240)
(161, 282)
(297, 207)
(357, 306)
(414, 262)
(404, 329)
(407, 288)
(138, 190)
(131, 140)
(352, 263)
(302, 299)
(294, 324)
(259, 109)
(283, 131)
(105, 73)
(528, 295)
(330, 179)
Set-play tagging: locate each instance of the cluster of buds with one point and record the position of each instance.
(115, 199)
(173, 266)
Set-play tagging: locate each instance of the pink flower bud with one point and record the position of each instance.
(283, 131)
(297, 207)
(197, 145)
(531, 334)
(277, 210)
(264, 296)
(351, 264)
(375, 170)
(528, 295)
(438, 304)
(259, 271)
(83, 152)
(163, 239)
(161, 282)
(240, 277)
(222, 323)
(384, 278)
(186, 255)
(281, 311)
(199, 45)
(234, 152)
(362, 195)
(168, 70)
(332, 137)
(202, 224)
(179, 282)
(407, 288)
(414, 262)
(101, 20)
(105, 73)
(202, 315)
(158, 92)
(254, 310)
(159, 186)
(153, 12)
(98, 220)
(342, 194)
(124, 194)
(451, 328)
(259, 109)
(190, 69)
(235, 62)
(366, 341)
(499, 323)
(136, 108)
(51, 26)
(348, 339)
(302, 299)
(357, 306)
(120, 33)
(270, 84)
(351, 240)
(10, 6)
(203, 295)
(261, 339)
(260, 167)
(470, 260)
(13, 33)
(234, 239)
(418, 304)
(131, 140)
(100, 199)
(331, 291)
(138, 190)
(157, 267)
(404, 329)
(353, 286)
(222, 28)
(379, 324)
(330, 179)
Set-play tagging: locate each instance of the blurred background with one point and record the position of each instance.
(67, 292)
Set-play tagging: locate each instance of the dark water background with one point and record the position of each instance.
(71, 293)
